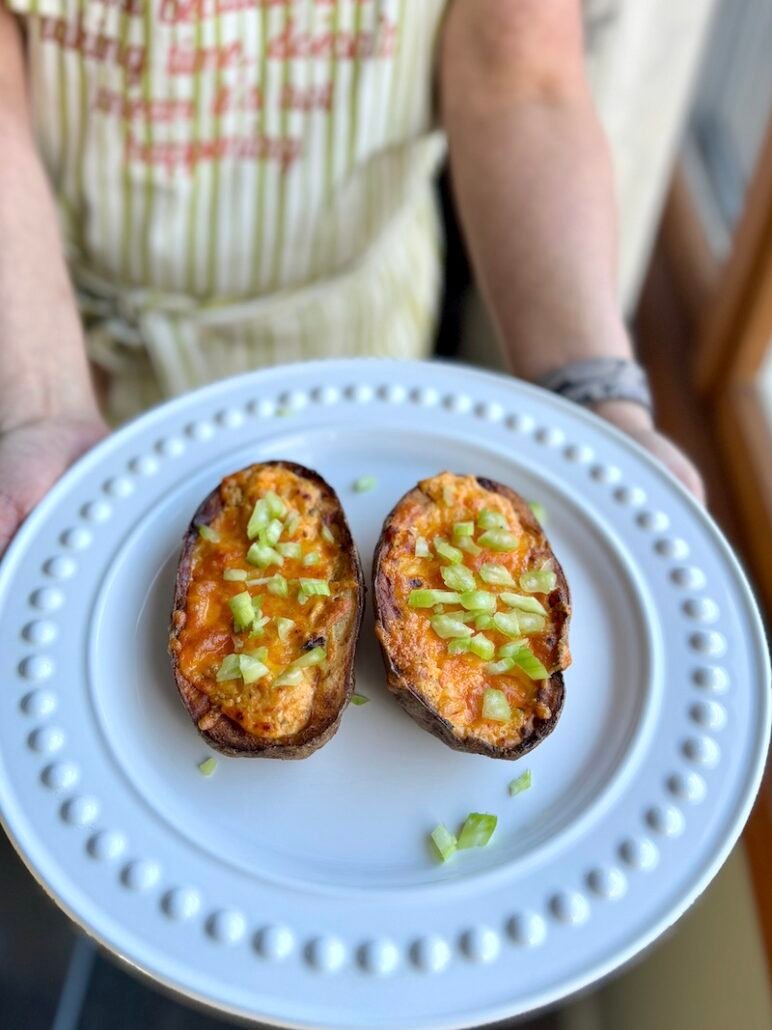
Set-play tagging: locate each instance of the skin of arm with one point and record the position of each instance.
(534, 189)
(48, 411)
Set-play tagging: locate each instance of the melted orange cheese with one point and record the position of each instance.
(454, 684)
(208, 634)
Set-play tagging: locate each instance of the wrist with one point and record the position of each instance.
(48, 400)
(32, 390)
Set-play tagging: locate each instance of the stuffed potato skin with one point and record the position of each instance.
(442, 692)
(255, 720)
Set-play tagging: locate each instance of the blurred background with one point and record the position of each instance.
(684, 88)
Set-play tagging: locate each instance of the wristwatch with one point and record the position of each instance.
(595, 380)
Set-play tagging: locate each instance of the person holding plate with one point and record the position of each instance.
(196, 188)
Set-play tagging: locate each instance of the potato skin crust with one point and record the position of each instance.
(217, 729)
(409, 695)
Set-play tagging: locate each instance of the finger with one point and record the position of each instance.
(692, 480)
(31, 460)
(23, 481)
(685, 471)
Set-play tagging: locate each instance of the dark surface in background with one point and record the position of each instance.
(53, 978)
(117, 1000)
(457, 279)
(35, 945)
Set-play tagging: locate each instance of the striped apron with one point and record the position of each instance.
(240, 182)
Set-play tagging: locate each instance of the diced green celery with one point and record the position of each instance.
(242, 611)
(459, 646)
(234, 575)
(523, 782)
(495, 705)
(482, 647)
(328, 535)
(289, 678)
(489, 519)
(501, 667)
(458, 577)
(467, 544)
(277, 585)
(252, 669)
(526, 660)
(272, 532)
(364, 484)
(359, 699)
(477, 830)
(312, 558)
(448, 495)
(422, 549)
(275, 505)
(289, 550)
(462, 616)
(229, 668)
(428, 598)
(284, 627)
(209, 534)
(462, 530)
(530, 623)
(444, 841)
(262, 555)
(311, 658)
(447, 551)
(510, 649)
(484, 621)
(478, 601)
(438, 609)
(208, 766)
(448, 628)
(523, 603)
(292, 524)
(258, 626)
(539, 581)
(261, 653)
(258, 520)
(314, 587)
(507, 623)
(496, 575)
(498, 540)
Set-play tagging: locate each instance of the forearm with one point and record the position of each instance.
(43, 366)
(533, 184)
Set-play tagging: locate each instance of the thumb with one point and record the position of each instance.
(22, 484)
(32, 458)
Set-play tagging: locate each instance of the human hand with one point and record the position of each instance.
(634, 420)
(33, 455)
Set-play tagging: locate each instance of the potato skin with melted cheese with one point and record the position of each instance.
(258, 720)
(444, 692)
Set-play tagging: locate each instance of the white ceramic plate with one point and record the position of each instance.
(304, 893)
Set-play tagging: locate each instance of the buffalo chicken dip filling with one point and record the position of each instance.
(269, 583)
(473, 587)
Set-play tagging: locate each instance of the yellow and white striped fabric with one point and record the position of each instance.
(240, 182)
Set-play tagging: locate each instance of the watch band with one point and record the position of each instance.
(594, 380)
